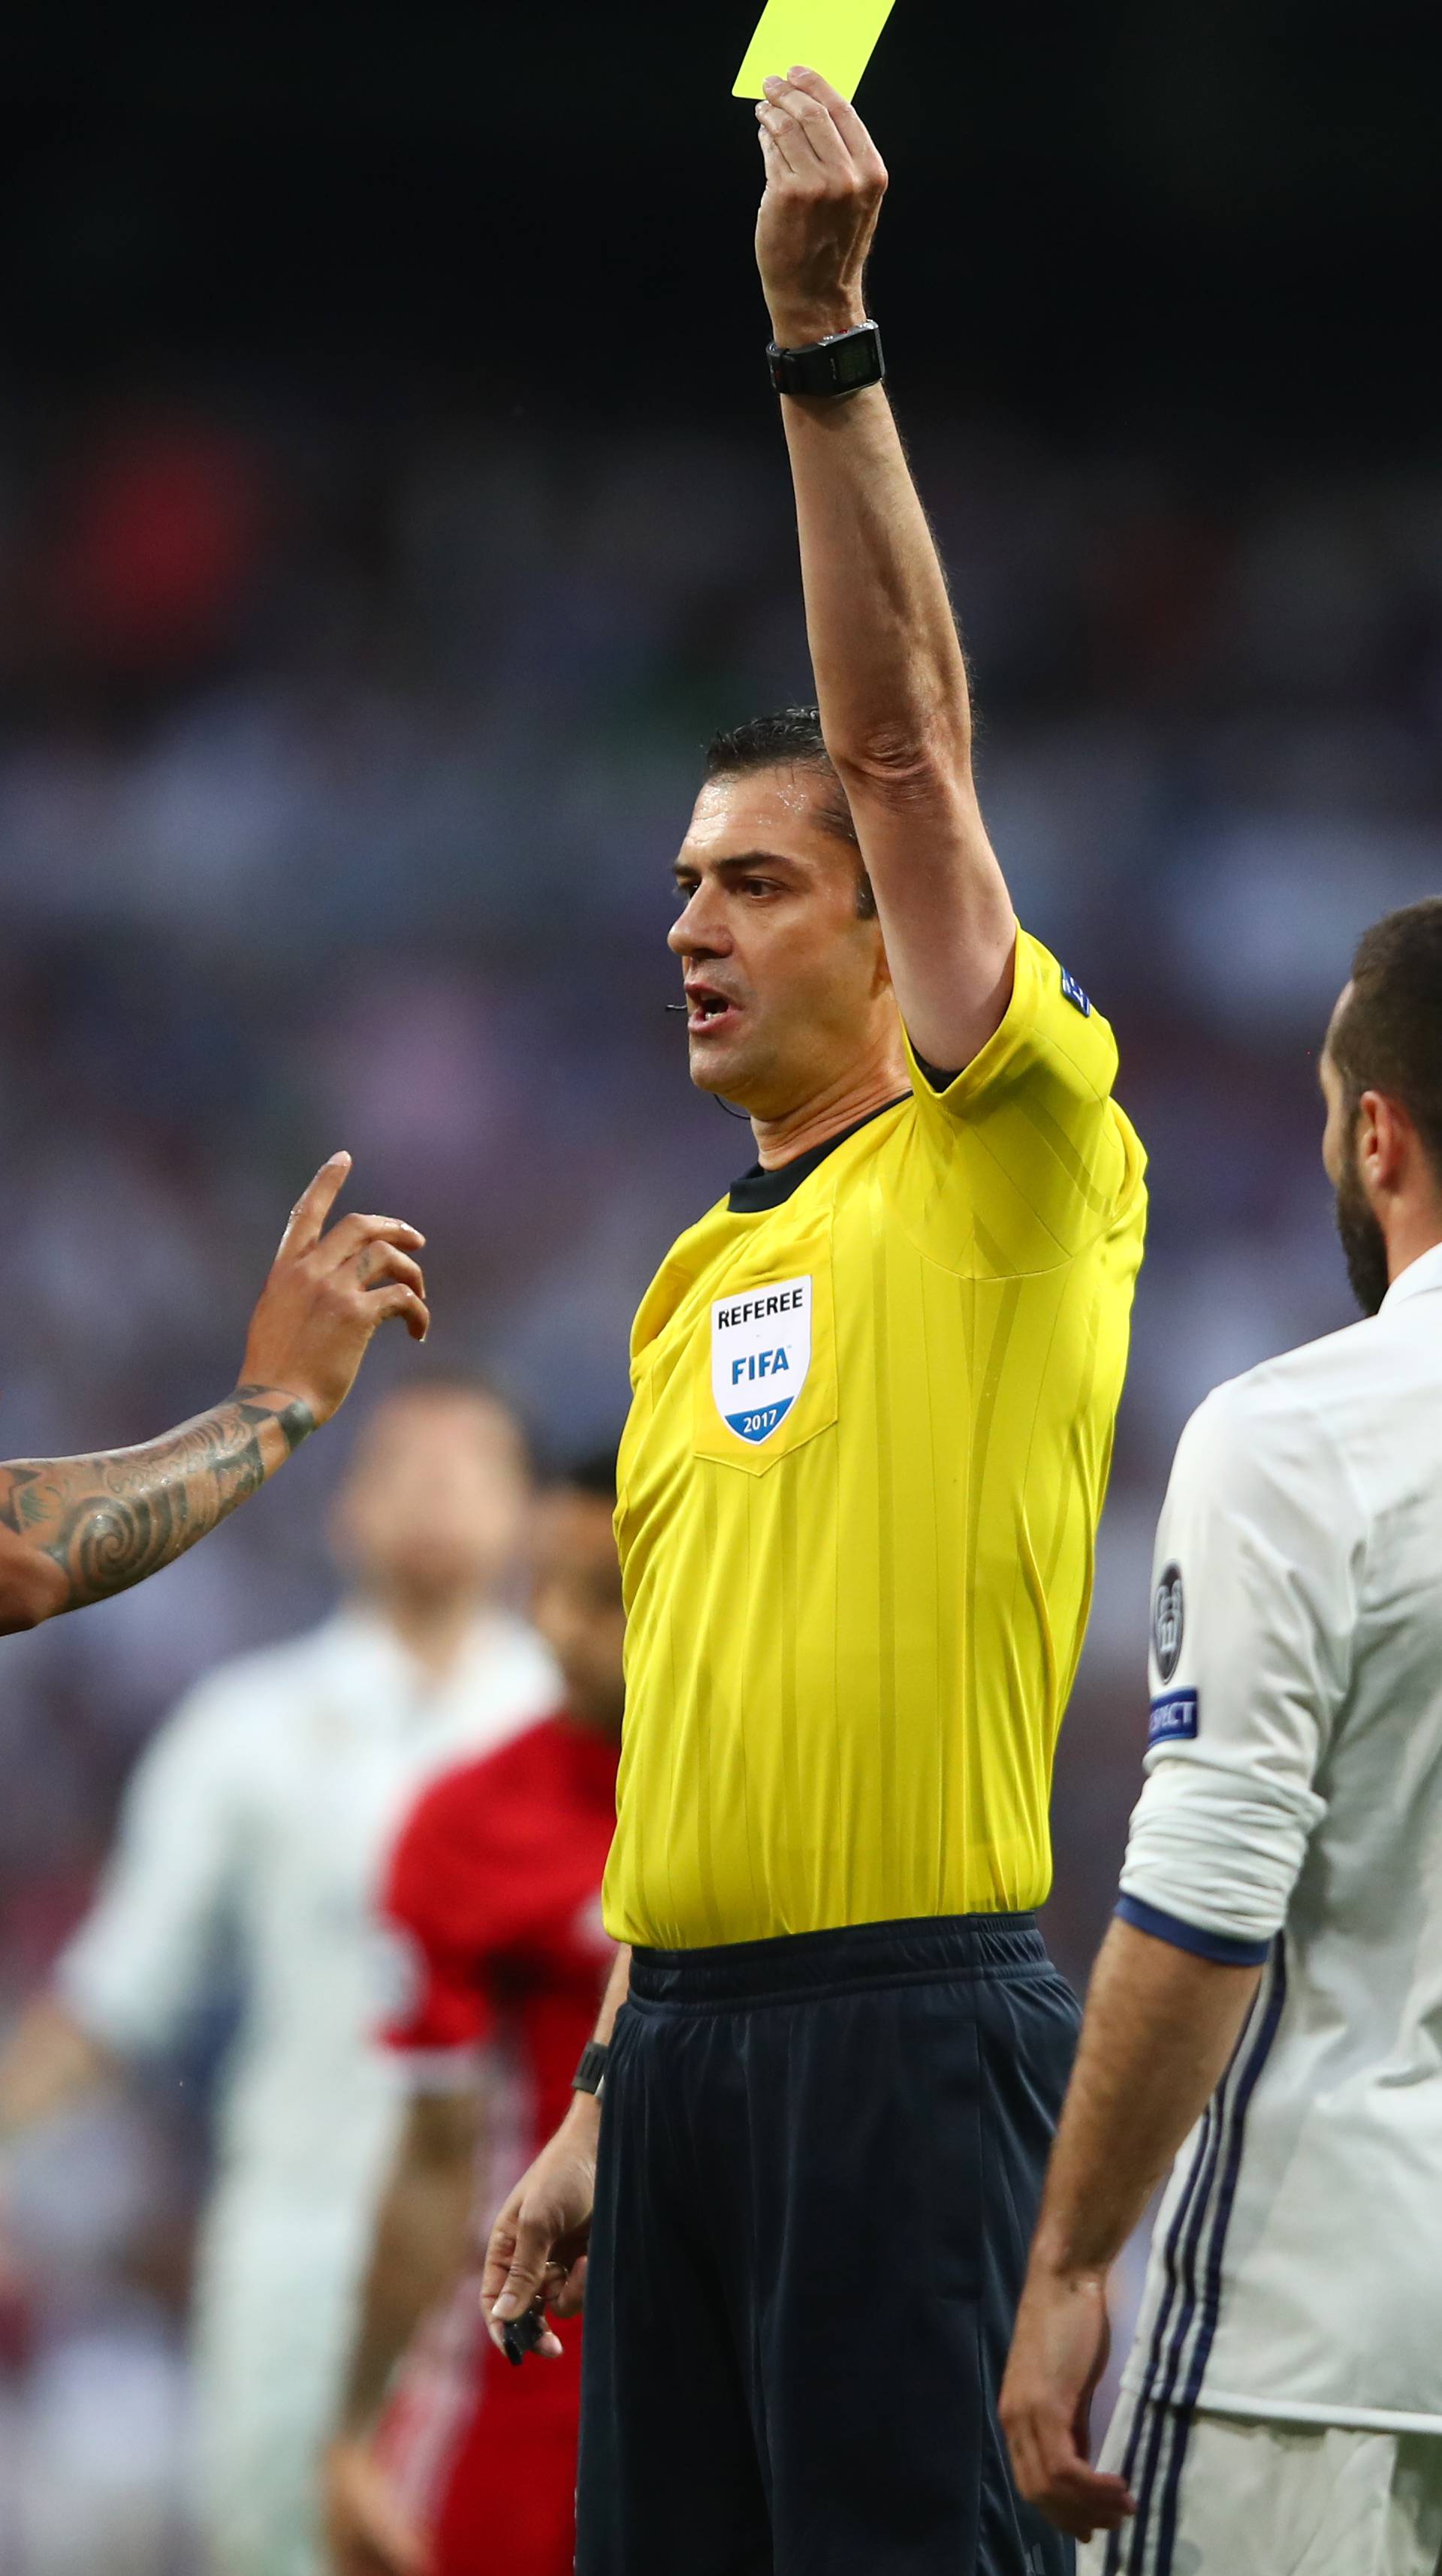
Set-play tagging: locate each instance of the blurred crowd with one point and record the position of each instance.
(346, 746)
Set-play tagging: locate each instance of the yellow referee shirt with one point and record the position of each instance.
(859, 1488)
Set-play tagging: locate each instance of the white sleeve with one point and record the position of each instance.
(1258, 1568)
(140, 1962)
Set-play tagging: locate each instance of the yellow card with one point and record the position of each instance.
(834, 37)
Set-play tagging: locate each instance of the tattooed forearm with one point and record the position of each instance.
(262, 1404)
(108, 1521)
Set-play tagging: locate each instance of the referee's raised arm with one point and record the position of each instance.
(891, 679)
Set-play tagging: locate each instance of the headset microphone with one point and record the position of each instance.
(685, 1009)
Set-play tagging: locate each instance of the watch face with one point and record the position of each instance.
(855, 360)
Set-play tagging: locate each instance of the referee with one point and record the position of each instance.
(874, 1392)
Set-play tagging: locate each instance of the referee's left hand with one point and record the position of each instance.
(1058, 2354)
(536, 2257)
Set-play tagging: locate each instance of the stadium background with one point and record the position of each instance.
(390, 503)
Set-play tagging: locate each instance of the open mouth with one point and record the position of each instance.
(707, 1010)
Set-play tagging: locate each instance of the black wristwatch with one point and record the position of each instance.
(590, 2075)
(840, 364)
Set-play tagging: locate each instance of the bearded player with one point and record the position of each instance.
(1266, 2008)
(874, 1393)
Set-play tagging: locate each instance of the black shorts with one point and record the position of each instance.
(820, 2164)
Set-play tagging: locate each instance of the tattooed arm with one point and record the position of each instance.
(96, 1525)
(75, 1530)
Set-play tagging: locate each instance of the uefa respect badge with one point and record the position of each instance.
(760, 1355)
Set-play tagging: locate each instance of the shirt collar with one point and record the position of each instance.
(1417, 1280)
(760, 1189)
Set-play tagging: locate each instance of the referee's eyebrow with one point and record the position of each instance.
(741, 863)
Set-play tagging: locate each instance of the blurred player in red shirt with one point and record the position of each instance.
(448, 2460)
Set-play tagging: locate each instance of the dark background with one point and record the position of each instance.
(1211, 217)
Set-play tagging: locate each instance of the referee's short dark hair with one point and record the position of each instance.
(791, 738)
(1389, 1035)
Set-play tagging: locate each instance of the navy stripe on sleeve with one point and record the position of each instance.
(1227, 1952)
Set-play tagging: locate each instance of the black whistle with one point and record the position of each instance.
(520, 2335)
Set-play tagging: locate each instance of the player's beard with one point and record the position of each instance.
(1364, 1245)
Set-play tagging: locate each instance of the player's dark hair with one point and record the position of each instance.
(1389, 1037)
(595, 1474)
(791, 739)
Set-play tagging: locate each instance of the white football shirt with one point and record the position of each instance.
(257, 1822)
(1292, 1814)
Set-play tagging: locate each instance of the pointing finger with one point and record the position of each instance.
(314, 1205)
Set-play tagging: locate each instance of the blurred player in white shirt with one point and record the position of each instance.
(1270, 2000)
(257, 1825)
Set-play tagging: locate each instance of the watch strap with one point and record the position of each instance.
(591, 2073)
(843, 363)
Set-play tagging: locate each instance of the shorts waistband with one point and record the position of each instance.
(928, 1949)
